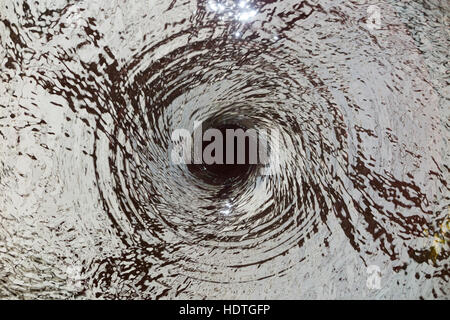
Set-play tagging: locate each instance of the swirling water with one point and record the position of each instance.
(91, 206)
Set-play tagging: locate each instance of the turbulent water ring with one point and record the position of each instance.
(149, 188)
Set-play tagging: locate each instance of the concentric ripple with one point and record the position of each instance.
(249, 221)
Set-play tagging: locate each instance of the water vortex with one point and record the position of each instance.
(359, 177)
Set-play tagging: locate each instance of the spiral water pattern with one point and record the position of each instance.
(93, 92)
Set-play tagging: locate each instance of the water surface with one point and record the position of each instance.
(92, 207)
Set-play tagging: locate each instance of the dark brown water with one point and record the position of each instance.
(92, 207)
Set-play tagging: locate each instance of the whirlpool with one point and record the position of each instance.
(117, 179)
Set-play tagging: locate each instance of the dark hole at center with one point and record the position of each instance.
(234, 169)
(224, 172)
